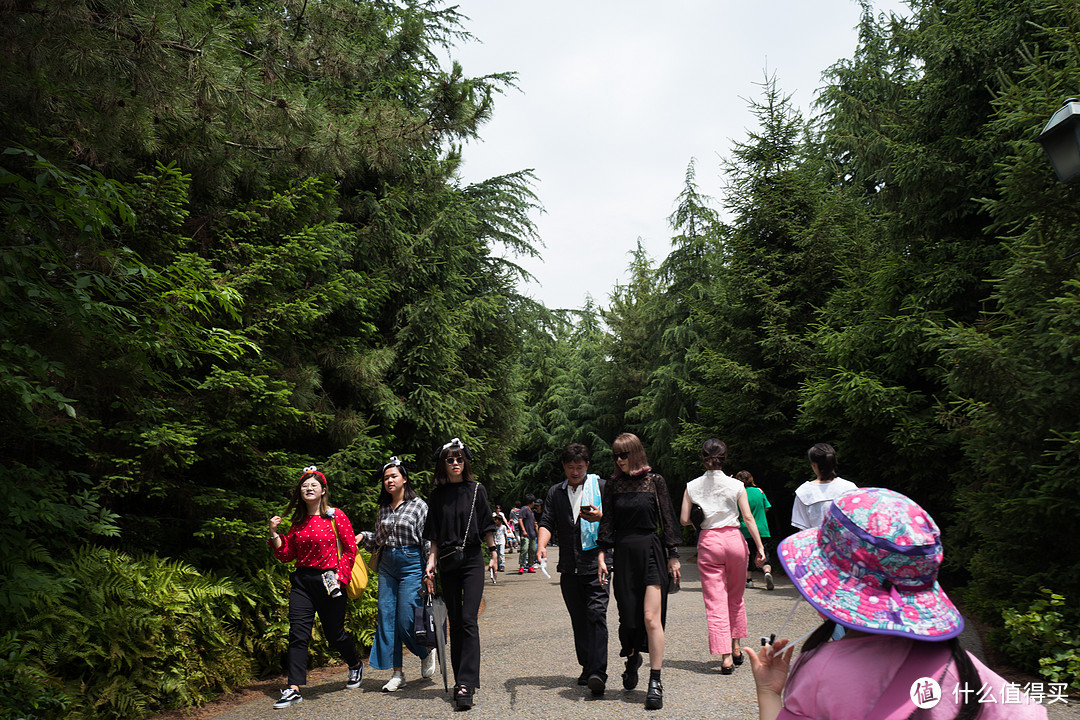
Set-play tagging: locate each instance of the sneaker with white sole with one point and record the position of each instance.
(395, 683)
(427, 665)
(356, 676)
(769, 584)
(288, 697)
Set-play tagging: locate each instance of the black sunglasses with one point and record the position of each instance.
(622, 455)
(455, 461)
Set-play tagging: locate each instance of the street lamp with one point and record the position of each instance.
(1061, 140)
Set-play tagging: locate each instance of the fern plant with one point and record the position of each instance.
(134, 635)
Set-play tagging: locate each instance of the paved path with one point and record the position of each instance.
(528, 668)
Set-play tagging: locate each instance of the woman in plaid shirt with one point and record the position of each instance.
(402, 553)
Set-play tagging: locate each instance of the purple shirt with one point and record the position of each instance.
(529, 521)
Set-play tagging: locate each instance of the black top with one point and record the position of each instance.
(448, 514)
(558, 518)
(639, 505)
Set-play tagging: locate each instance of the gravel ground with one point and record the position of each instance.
(528, 666)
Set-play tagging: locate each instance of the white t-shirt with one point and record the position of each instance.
(812, 500)
(718, 496)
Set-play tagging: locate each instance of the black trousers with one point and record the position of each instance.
(462, 592)
(587, 602)
(307, 598)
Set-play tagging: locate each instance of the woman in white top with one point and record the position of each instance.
(813, 497)
(722, 551)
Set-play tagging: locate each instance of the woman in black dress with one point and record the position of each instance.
(458, 517)
(639, 524)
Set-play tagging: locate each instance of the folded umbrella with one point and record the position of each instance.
(438, 613)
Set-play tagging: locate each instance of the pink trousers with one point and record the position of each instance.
(722, 559)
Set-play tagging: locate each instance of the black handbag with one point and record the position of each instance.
(424, 624)
(451, 558)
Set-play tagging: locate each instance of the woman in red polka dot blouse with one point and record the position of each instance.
(318, 579)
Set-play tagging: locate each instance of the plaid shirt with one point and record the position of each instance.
(400, 527)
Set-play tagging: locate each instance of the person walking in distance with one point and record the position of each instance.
(527, 524)
(759, 505)
(813, 497)
(571, 516)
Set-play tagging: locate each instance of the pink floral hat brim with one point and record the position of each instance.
(872, 566)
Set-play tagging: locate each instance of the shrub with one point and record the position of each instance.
(26, 691)
(1044, 640)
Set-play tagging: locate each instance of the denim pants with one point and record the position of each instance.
(400, 572)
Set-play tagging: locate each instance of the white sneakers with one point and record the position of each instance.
(427, 665)
(396, 682)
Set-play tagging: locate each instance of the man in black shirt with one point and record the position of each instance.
(572, 513)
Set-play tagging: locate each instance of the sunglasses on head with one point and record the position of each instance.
(622, 455)
(455, 460)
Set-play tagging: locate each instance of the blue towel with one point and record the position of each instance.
(590, 495)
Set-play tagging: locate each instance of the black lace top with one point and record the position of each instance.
(638, 505)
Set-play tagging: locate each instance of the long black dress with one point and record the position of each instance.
(639, 523)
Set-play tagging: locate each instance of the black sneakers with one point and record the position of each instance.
(288, 697)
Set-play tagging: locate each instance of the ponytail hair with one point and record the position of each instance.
(823, 455)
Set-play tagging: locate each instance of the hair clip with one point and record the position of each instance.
(454, 444)
(311, 468)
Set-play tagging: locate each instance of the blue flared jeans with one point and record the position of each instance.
(400, 572)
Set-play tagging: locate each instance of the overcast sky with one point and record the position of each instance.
(614, 99)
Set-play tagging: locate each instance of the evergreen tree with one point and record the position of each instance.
(1012, 374)
(683, 278)
(772, 272)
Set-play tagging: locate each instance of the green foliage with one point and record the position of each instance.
(235, 245)
(26, 691)
(560, 375)
(1043, 629)
(128, 636)
(773, 271)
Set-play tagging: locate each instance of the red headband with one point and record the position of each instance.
(311, 469)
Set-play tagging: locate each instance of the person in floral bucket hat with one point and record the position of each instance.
(872, 567)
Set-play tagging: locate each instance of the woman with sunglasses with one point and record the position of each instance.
(639, 524)
(459, 518)
(401, 550)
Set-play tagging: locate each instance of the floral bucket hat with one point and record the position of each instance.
(873, 565)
